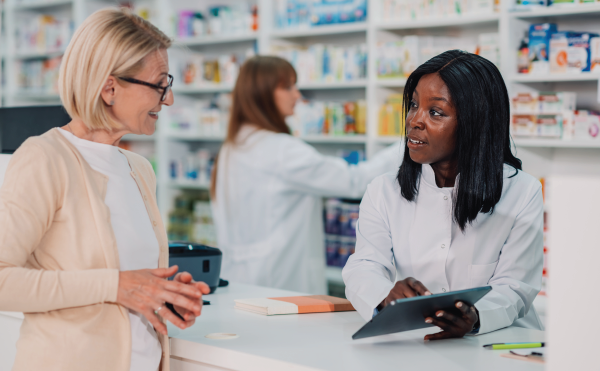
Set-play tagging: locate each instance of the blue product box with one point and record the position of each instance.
(347, 247)
(578, 52)
(570, 52)
(332, 216)
(332, 247)
(539, 47)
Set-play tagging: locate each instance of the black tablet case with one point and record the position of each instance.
(409, 314)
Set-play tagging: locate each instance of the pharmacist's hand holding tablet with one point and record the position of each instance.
(453, 325)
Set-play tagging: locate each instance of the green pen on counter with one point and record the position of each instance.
(514, 345)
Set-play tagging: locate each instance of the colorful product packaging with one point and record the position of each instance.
(525, 103)
(524, 125)
(549, 126)
(595, 54)
(586, 125)
(556, 102)
(570, 52)
(539, 47)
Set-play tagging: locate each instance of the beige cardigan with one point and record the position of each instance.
(59, 262)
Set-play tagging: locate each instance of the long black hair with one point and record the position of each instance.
(482, 137)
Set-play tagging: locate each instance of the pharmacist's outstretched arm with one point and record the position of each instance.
(369, 274)
(518, 275)
(307, 170)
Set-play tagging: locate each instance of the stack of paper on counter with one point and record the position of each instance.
(294, 305)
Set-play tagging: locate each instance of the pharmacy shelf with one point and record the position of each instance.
(458, 21)
(222, 39)
(334, 139)
(138, 138)
(337, 29)
(388, 140)
(38, 54)
(195, 137)
(356, 84)
(188, 184)
(37, 96)
(205, 89)
(530, 78)
(42, 4)
(556, 143)
(556, 11)
(334, 275)
(391, 82)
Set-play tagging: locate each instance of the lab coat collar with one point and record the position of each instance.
(428, 178)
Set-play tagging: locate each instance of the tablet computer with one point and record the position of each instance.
(410, 313)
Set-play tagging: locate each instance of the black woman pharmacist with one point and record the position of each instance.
(460, 212)
(268, 198)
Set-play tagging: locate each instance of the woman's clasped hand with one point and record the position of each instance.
(455, 324)
(146, 291)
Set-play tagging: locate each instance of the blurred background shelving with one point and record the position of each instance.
(378, 44)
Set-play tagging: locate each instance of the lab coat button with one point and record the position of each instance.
(444, 290)
(445, 197)
(443, 245)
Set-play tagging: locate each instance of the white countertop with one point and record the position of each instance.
(324, 341)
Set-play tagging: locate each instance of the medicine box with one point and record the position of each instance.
(549, 126)
(525, 103)
(570, 52)
(539, 47)
(524, 125)
(586, 126)
(595, 54)
(556, 102)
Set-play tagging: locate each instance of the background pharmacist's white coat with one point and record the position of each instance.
(268, 209)
(397, 239)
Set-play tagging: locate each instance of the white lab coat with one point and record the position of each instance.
(397, 239)
(268, 209)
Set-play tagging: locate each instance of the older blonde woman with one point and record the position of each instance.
(83, 251)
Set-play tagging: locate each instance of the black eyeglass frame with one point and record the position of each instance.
(165, 89)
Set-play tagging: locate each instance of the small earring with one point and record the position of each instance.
(112, 103)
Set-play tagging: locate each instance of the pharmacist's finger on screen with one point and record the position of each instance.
(439, 336)
(418, 286)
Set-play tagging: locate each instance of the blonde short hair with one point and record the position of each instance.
(109, 42)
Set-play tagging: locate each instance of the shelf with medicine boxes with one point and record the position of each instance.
(335, 29)
(41, 4)
(550, 64)
(571, 9)
(217, 39)
(562, 77)
(440, 21)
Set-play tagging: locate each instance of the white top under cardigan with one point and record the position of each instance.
(269, 207)
(136, 240)
(419, 239)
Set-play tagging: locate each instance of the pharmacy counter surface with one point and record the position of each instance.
(324, 342)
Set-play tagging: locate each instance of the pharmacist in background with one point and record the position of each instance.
(460, 213)
(268, 186)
